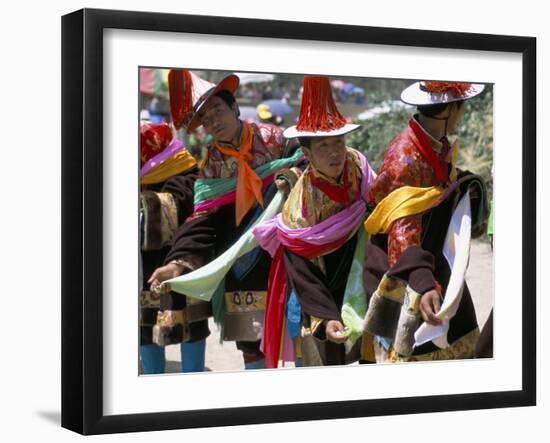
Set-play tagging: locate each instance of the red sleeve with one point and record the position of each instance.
(402, 166)
(273, 139)
(403, 233)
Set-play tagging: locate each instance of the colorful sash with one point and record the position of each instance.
(456, 250)
(310, 242)
(215, 192)
(402, 202)
(173, 160)
(203, 282)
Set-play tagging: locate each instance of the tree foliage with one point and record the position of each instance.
(475, 135)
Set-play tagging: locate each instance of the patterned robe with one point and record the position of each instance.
(320, 283)
(207, 234)
(423, 236)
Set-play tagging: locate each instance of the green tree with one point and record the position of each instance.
(475, 135)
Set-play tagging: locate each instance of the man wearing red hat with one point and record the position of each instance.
(167, 176)
(315, 284)
(234, 185)
(426, 213)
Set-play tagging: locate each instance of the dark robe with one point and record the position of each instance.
(181, 188)
(321, 295)
(208, 236)
(421, 266)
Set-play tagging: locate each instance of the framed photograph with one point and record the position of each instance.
(120, 71)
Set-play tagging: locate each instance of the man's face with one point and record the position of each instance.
(455, 116)
(328, 155)
(219, 120)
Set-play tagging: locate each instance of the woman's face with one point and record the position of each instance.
(327, 155)
(220, 120)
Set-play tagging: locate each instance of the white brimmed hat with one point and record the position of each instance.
(432, 93)
(319, 116)
(189, 93)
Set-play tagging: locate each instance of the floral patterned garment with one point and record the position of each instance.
(268, 145)
(403, 165)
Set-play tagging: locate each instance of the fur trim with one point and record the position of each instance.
(164, 336)
(151, 205)
(409, 321)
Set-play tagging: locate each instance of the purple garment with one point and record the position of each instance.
(173, 148)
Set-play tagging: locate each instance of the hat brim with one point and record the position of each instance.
(229, 83)
(292, 132)
(415, 96)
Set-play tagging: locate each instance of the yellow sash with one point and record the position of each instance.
(402, 202)
(180, 162)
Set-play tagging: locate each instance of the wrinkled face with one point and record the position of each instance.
(327, 155)
(456, 113)
(220, 120)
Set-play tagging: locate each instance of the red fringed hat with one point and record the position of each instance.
(431, 93)
(191, 93)
(153, 138)
(319, 116)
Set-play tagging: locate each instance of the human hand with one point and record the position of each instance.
(282, 185)
(171, 270)
(335, 331)
(429, 307)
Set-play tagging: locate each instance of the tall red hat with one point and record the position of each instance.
(319, 116)
(189, 94)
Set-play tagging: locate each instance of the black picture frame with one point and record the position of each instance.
(82, 280)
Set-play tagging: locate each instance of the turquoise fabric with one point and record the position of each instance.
(209, 188)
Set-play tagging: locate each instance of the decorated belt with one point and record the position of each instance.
(245, 301)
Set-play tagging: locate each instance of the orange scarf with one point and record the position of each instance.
(249, 185)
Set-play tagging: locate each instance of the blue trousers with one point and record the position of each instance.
(153, 359)
(258, 364)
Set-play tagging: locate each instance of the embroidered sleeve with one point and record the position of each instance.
(272, 137)
(212, 164)
(403, 233)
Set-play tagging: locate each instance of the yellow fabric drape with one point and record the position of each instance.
(180, 162)
(249, 185)
(402, 202)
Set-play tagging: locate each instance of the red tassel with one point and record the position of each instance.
(180, 86)
(459, 89)
(318, 111)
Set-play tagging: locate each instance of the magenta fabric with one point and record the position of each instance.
(174, 147)
(272, 233)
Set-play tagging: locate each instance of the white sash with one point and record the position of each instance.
(456, 250)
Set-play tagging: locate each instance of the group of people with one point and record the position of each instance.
(297, 248)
